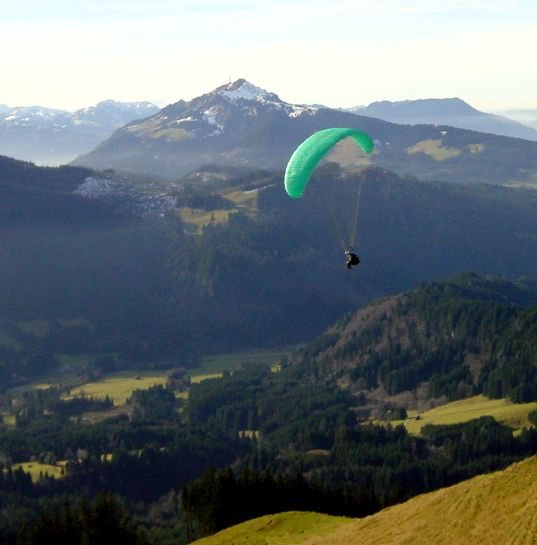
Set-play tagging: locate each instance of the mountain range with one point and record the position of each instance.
(240, 124)
(446, 111)
(53, 136)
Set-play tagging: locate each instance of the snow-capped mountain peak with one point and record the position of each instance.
(244, 90)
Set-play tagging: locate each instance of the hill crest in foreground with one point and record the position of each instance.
(498, 509)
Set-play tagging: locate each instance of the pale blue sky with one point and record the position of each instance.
(341, 53)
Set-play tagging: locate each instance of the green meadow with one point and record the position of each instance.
(119, 386)
(503, 410)
(290, 528)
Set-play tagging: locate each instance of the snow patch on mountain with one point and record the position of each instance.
(297, 110)
(210, 117)
(146, 200)
(188, 119)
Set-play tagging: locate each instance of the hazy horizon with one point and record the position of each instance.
(162, 104)
(340, 54)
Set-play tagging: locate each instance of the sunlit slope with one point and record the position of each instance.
(463, 410)
(495, 509)
(291, 527)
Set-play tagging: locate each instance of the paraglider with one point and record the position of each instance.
(305, 160)
(309, 154)
(352, 259)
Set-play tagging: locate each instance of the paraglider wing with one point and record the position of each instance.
(308, 155)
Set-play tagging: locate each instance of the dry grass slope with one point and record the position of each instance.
(434, 149)
(495, 509)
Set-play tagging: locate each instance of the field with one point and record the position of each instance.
(476, 148)
(35, 469)
(214, 366)
(245, 201)
(233, 360)
(511, 414)
(434, 149)
(72, 365)
(119, 386)
(198, 218)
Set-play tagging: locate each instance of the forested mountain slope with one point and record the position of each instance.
(37, 196)
(459, 337)
(273, 273)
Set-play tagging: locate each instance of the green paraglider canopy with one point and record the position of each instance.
(308, 155)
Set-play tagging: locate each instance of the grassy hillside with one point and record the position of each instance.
(293, 527)
(496, 509)
(512, 414)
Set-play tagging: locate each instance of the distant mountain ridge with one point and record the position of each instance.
(430, 106)
(239, 124)
(445, 111)
(53, 136)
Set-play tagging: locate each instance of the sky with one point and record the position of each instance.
(71, 54)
